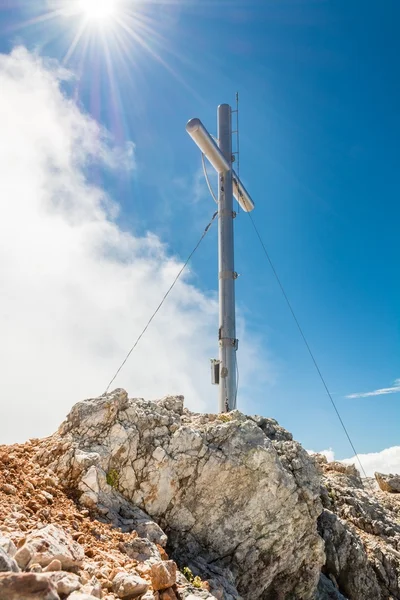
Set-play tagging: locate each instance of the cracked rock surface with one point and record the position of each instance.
(388, 483)
(52, 548)
(236, 496)
(360, 526)
(139, 499)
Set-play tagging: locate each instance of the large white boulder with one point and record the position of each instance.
(237, 497)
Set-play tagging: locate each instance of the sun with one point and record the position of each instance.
(98, 10)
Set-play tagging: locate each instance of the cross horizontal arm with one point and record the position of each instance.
(209, 148)
(241, 194)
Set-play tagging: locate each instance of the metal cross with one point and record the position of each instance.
(220, 156)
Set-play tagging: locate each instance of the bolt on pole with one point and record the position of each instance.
(227, 319)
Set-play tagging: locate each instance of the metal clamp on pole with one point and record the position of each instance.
(228, 275)
(225, 213)
(229, 343)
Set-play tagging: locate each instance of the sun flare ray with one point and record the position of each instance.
(105, 43)
(75, 42)
(42, 18)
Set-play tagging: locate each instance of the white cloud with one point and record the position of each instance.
(386, 461)
(329, 454)
(75, 291)
(391, 390)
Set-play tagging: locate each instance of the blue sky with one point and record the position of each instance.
(320, 124)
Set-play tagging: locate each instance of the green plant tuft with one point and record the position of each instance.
(196, 582)
(112, 478)
(188, 574)
(224, 418)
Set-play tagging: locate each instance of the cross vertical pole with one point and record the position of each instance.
(224, 370)
(227, 321)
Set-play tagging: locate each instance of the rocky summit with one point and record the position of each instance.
(139, 499)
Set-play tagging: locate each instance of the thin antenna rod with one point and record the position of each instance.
(237, 141)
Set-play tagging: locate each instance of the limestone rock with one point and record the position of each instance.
(27, 586)
(167, 594)
(198, 594)
(128, 586)
(195, 595)
(237, 497)
(48, 544)
(388, 483)
(361, 529)
(7, 563)
(55, 565)
(80, 596)
(9, 489)
(35, 568)
(346, 559)
(23, 556)
(8, 546)
(327, 591)
(65, 583)
(93, 590)
(163, 575)
(146, 527)
(141, 549)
